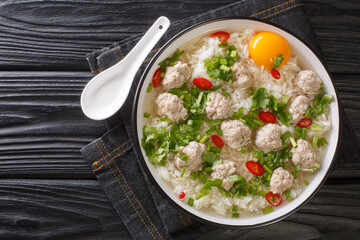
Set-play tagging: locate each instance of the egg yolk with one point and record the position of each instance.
(265, 46)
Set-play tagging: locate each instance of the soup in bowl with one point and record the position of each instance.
(236, 122)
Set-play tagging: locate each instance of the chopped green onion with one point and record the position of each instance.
(225, 68)
(184, 157)
(225, 93)
(306, 182)
(268, 210)
(293, 142)
(146, 115)
(236, 178)
(162, 74)
(150, 87)
(190, 122)
(215, 149)
(233, 53)
(316, 165)
(312, 170)
(204, 139)
(215, 122)
(241, 112)
(219, 131)
(315, 140)
(258, 122)
(235, 215)
(297, 168)
(290, 199)
(235, 208)
(322, 87)
(288, 193)
(191, 202)
(285, 99)
(268, 169)
(316, 127)
(182, 97)
(285, 136)
(208, 147)
(210, 130)
(202, 177)
(183, 171)
(242, 120)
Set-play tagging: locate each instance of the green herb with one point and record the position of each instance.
(260, 99)
(288, 193)
(219, 132)
(300, 132)
(235, 215)
(202, 177)
(162, 74)
(316, 165)
(258, 122)
(225, 93)
(146, 115)
(319, 142)
(267, 169)
(268, 210)
(321, 103)
(170, 61)
(183, 171)
(306, 182)
(285, 136)
(204, 139)
(210, 130)
(205, 190)
(236, 178)
(285, 99)
(215, 122)
(164, 119)
(191, 202)
(150, 87)
(209, 157)
(250, 123)
(215, 149)
(184, 157)
(277, 61)
(219, 67)
(235, 208)
(316, 127)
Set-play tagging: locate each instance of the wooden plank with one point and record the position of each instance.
(61, 42)
(42, 127)
(79, 209)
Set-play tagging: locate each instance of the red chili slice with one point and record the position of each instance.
(275, 73)
(202, 83)
(223, 36)
(273, 199)
(156, 80)
(182, 195)
(267, 117)
(255, 168)
(304, 123)
(217, 141)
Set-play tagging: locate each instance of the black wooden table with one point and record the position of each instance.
(47, 191)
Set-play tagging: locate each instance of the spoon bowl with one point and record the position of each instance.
(105, 94)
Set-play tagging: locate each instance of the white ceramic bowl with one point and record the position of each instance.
(307, 59)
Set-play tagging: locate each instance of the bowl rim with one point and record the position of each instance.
(142, 160)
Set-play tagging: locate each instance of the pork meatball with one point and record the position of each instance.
(223, 171)
(298, 107)
(281, 180)
(268, 138)
(236, 134)
(176, 75)
(243, 79)
(308, 82)
(304, 155)
(217, 106)
(194, 152)
(171, 106)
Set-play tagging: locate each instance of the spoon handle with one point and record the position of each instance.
(138, 54)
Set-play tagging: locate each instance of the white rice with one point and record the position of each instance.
(195, 54)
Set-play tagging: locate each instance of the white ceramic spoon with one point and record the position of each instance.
(105, 94)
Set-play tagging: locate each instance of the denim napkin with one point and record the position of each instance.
(146, 214)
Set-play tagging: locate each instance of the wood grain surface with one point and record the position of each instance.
(47, 191)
